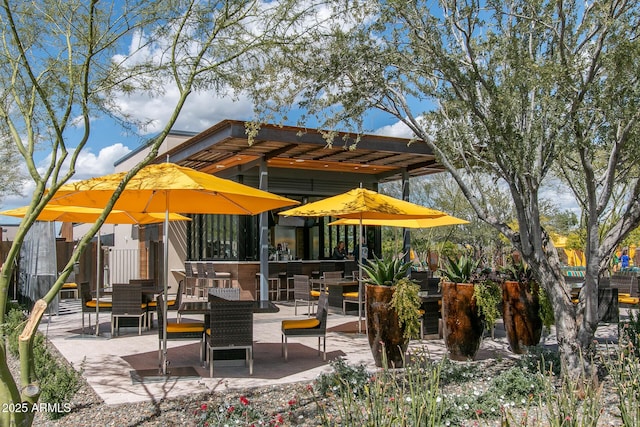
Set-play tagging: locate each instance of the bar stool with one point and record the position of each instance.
(273, 285)
(218, 277)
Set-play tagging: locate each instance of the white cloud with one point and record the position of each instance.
(397, 130)
(202, 110)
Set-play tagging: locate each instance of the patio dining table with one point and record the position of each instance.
(203, 307)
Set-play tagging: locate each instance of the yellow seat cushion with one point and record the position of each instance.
(622, 294)
(185, 327)
(170, 303)
(103, 304)
(315, 294)
(300, 324)
(70, 286)
(421, 312)
(350, 294)
(629, 300)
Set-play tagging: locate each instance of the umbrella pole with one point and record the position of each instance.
(360, 287)
(98, 273)
(165, 278)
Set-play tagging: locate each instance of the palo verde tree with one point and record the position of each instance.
(66, 63)
(510, 90)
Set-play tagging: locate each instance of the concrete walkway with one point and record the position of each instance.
(108, 362)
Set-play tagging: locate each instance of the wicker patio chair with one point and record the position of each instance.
(230, 328)
(89, 303)
(190, 279)
(308, 328)
(127, 302)
(178, 331)
(302, 293)
(172, 303)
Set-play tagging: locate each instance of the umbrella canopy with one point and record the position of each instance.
(361, 203)
(88, 215)
(169, 187)
(405, 223)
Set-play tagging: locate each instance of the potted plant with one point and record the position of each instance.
(462, 323)
(392, 305)
(525, 307)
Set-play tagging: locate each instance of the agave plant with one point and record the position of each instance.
(460, 270)
(383, 272)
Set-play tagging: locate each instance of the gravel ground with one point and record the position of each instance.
(290, 405)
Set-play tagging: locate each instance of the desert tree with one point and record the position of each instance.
(67, 63)
(508, 94)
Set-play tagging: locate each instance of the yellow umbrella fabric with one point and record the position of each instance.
(361, 203)
(82, 214)
(405, 223)
(169, 187)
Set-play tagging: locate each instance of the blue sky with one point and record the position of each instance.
(108, 142)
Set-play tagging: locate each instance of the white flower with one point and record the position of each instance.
(438, 399)
(408, 399)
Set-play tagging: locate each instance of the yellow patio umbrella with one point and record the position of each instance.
(167, 187)
(81, 214)
(361, 204)
(405, 223)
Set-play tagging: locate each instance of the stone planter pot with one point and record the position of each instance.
(521, 315)
(462, 326)
(383, 329)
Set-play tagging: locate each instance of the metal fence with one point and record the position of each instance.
(123, 265)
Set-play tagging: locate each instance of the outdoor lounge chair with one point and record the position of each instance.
(302, 293)
(178, 331)
(89, 304)
(127, 302)
(316, 327)
(230, 328)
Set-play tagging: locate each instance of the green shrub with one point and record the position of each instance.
(344, 379)
(58, 381)
(629, 332)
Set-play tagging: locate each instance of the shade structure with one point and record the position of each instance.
(359, 205)
(171, 188)
(81, 214)
(405, 223)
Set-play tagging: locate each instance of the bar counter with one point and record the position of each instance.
(243, 273)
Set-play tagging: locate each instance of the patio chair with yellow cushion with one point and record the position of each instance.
(230, 328)
(89, 304)
(179, 331)
(315, 327)
(69, 289)
(302, 292)
(127, 302)
(173, 303)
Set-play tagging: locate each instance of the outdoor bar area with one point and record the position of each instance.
(260, 253)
